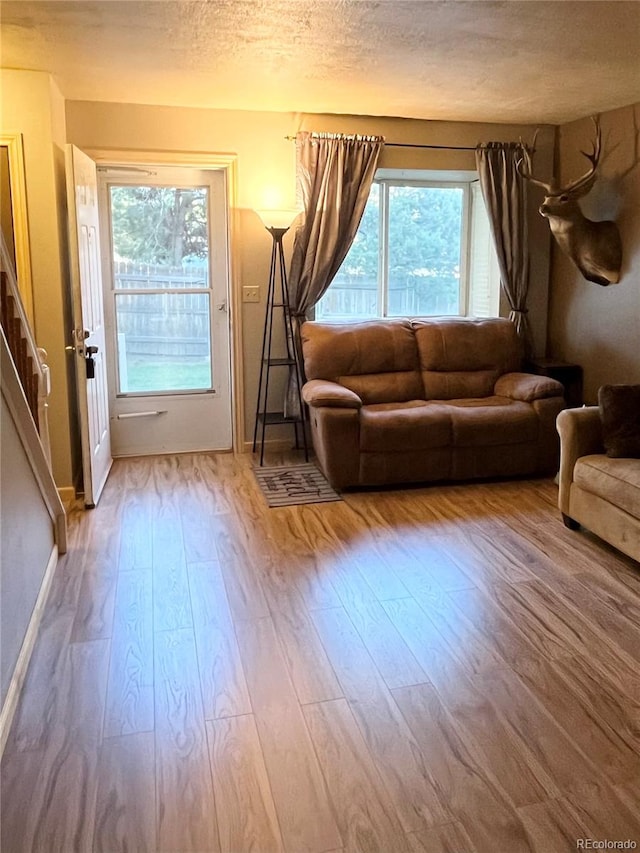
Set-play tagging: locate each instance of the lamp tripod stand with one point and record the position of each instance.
(278, 299)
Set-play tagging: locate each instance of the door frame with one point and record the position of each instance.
(228, 164)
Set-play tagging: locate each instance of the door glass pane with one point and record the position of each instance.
(163, 342)
(425, 235)
(164, 228)
(160, 250)
(353, 293)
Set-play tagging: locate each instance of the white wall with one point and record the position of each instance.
(599, 327)
(26, 543)
(33, 106)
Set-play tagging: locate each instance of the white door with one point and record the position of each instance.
(88, 322)
(166, 271)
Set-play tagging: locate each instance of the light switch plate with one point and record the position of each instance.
(250, 294)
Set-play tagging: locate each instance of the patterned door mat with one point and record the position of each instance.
(294, 484)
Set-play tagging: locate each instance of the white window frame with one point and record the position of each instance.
(386, 178)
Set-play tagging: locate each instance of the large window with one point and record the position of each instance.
(423, 249)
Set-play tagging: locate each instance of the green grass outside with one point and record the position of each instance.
(168, 376)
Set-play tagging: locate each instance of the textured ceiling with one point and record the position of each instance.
(471, 61)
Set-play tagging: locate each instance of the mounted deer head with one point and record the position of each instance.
(594, 247)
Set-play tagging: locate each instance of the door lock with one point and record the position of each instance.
(90, 362)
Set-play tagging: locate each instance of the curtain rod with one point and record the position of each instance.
(440, 147)
(437, 147)
(416, 145)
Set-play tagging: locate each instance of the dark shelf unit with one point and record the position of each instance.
(264, 417)
(570, 375)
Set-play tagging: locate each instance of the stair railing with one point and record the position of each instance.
(29, 359)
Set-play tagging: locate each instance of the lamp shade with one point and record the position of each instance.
(277, 218)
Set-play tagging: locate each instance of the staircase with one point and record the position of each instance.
(18, 343)
(26, 387)
(33, 520)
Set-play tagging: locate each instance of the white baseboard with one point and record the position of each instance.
(139, 455)
(20, 669)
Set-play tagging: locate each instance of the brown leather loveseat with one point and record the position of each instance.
(400, 401)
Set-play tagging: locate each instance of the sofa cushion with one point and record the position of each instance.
(396, 387)
(491, 421)
(614, 480)
(319, 392)
(377, 360)
(399, 427)
(620, 415)
(461, 357)
(418, 424)
(528, 387)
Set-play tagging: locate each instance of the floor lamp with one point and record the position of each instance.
(277, 223)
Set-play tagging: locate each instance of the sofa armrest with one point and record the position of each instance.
(321, 392)
(580, 435)
(527, 387)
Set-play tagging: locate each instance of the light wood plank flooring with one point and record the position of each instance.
(430, 669)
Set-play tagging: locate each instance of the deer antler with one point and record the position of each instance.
(582, 185)
(524, 168)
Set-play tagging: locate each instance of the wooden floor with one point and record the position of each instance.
(433, 669)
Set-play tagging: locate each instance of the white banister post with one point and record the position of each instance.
(44, 390)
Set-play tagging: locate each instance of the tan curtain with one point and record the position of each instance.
(335, 173)
(505, 196)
